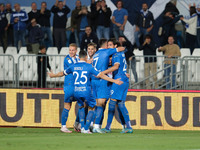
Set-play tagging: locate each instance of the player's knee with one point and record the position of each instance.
(121, 104)
(67, 106)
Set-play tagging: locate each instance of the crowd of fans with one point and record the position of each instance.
(34, 28)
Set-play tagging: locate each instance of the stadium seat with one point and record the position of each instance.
(52, 51)
(78, 50)
(139, 63)
(11, 51)
(185, 52)
(23, 51)
(64, 51)
(1, 50)
(196, 52)
(27, 68)
(160, 62)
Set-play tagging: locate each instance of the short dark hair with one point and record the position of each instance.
(102, 42)
(148, 36)
(42, 47)
(192, 10)
(171, 36)
(121, 2)
(113, 40)
(82, 54)
(44, 3)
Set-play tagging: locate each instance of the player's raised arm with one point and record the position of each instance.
(52, 75)
(103, 76)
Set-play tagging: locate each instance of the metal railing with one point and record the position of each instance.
(27, 73)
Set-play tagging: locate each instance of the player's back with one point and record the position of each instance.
(122, 70)
(101, 58)
(82, 73)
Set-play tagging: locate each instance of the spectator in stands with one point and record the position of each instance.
(35, 35)
(102, 15)
(3, 25)
(83, 20)
(34, 13)
(150, 65)
(19, 19)
(198, 26)
(172, 52)
(130, 57)
(191, 29)
(94, 5)
(9, 28)
(74, 21)
(119, 19)
(60, 11)
(144, 23)
(171, 7)
(168, 27)
(88, 37)
(44, 22)
(42, 65)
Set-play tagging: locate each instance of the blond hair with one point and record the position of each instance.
(73, 45)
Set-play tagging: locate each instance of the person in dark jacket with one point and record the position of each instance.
(83, 20)
(144, 23)
(34, 13)
(60, 11)
(42, 65)
(3, 24)
(150, 65)
(35, 35)
(102, 15)
(19, 19)
(168, 27)
(74, 21)
(44, 22)
(9, 28)
(88, 37)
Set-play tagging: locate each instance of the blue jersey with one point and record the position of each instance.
(82, 73)
(101, 59)
(122, 70)
(68, 61)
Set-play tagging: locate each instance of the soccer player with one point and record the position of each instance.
(91, 49)
(118, 92)
(112, 43)
(82, 73)
(99, 86)
(69, 60)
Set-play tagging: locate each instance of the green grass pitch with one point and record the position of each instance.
(53, 139)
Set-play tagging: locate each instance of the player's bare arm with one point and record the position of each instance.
(120, 49)
(52, 75)
(103, 76)
(111, 69)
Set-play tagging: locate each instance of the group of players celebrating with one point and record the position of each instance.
(91, 78)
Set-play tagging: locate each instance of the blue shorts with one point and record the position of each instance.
(69, 94)
(100, 89)
(86, 97)
(119, 92)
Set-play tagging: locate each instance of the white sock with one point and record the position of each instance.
(96, 125)
(91, 124)
(63, 126)
(123, 126)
